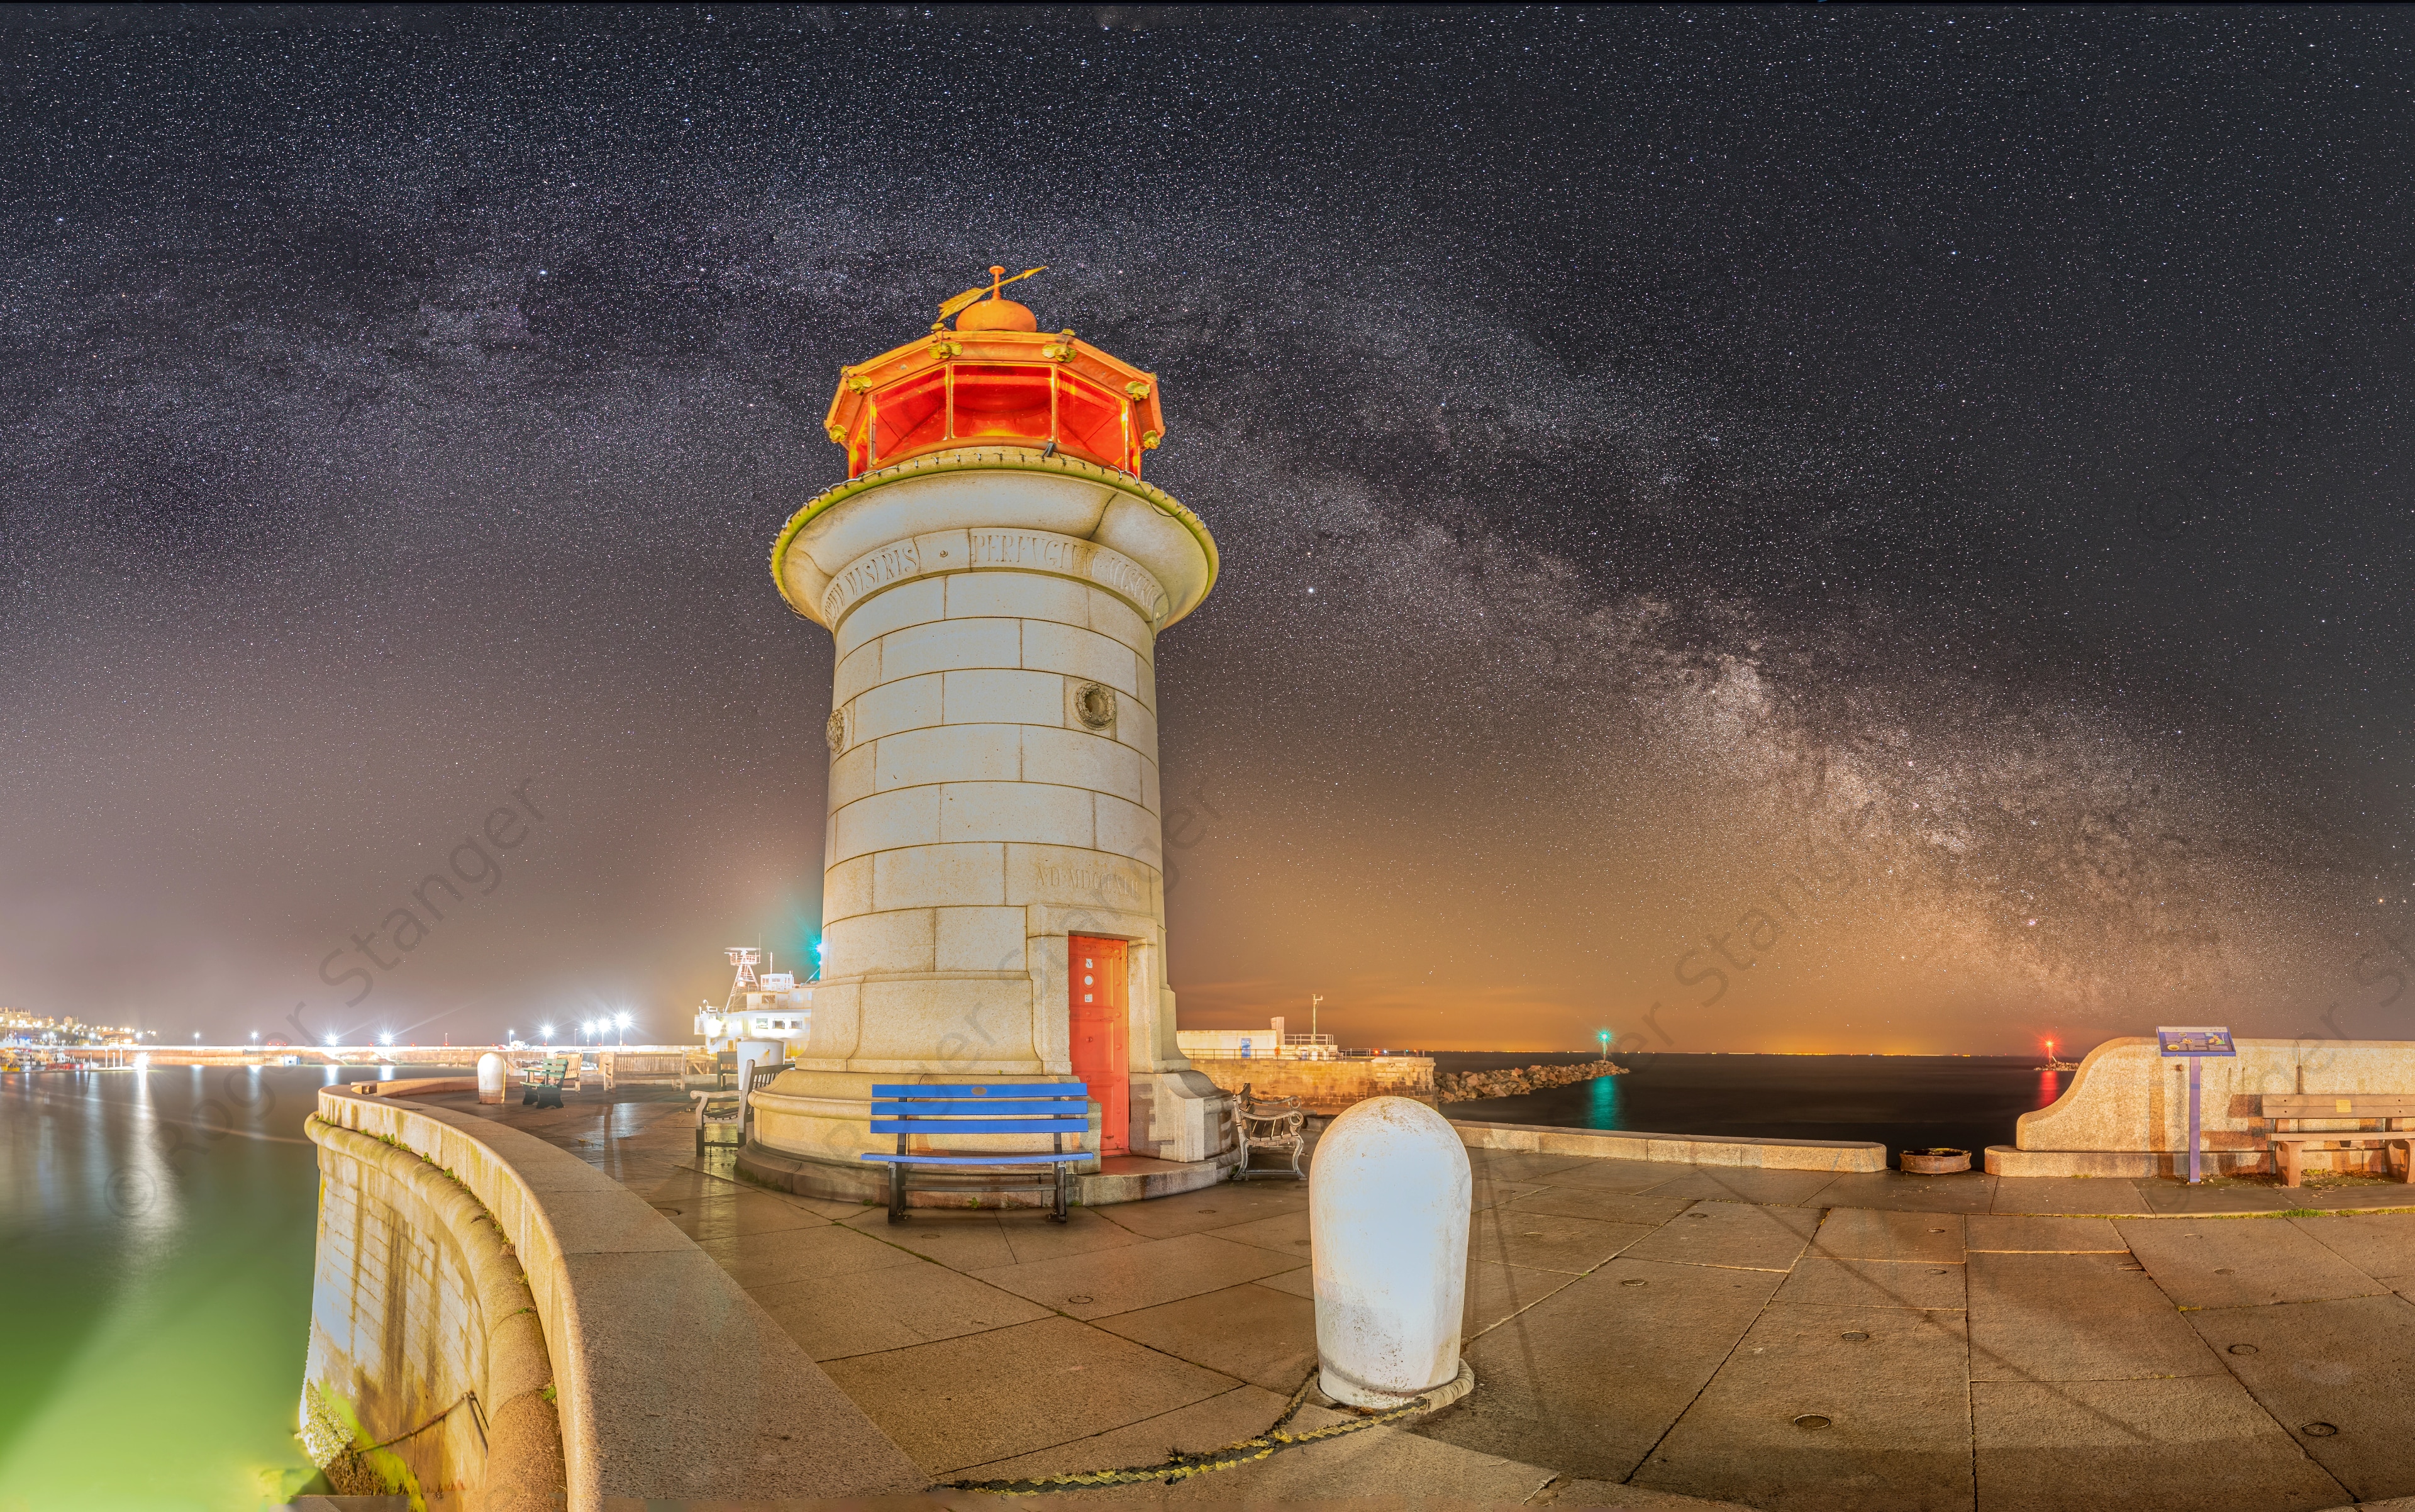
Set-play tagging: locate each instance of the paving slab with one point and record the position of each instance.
(1031, 1237)
(1737, 1234)
(768, 1258)
(1494, 1294)
(1629, 1498)
(1375, 1468)
(1600, 1204)
(959, 1240)
(2075, 1317)
(2234, 1262)
(720, 1214)
(1868, 1233)
(2042, 1235)
(997, 1395)
(1854, 1408)
(1821, 1280)
(2337, 1377)
(1746, 1184)
(1590, 1377)
(2098, 1195)
(1284, 1234)
(1133, 1276)
(1528, 1165)
(1965, 1191)
(2378, 1244)
(897, 1307)
(2179, 1197)
(1250, 1332)
(2193, 1444)
(1484, 1192)
(1197, 1428)
(1219, 1206)
(1604, 1175)
(1540, 1241)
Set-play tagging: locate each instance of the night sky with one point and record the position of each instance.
(1868, 530)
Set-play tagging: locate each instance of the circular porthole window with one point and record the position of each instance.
(1095, 704)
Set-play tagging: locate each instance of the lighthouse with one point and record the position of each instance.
(994, 574)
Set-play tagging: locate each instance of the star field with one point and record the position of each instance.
(1662, 458)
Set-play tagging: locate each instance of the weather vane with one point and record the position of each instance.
(975, 296)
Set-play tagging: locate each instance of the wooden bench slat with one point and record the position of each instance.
(1055, 1108)
(1004, 1089)
(981, 1126)
(1060, 1106)
(2338, 1104)
(979, 1160)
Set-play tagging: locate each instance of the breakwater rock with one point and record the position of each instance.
(1466, 1086)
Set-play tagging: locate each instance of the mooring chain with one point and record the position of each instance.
(1272, 1442)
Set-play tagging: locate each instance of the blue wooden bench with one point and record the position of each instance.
(1055, 1108)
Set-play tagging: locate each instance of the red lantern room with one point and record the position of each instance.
(995, 380)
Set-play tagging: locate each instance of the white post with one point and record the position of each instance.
(1388, 1208)
(492, 1075)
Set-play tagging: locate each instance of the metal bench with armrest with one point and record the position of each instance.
(1276, 1124)
(1052, 1108)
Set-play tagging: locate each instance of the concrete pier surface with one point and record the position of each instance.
(1644, 1334)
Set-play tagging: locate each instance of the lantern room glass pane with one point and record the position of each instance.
(913, 415)
(1089, 420)
(1002, 401)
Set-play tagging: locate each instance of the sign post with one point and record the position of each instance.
(2194, 1045)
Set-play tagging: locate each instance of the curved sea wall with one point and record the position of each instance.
(423, 1337)
(609, 1356)
(2125, 1112)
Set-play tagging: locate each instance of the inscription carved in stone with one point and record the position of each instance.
(1034, 550)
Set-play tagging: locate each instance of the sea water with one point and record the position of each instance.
(1901, 1101)
(156, 1230)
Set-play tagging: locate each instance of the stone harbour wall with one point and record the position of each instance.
(1467, 1086)
(611, 1356)
(424, 1338)
(1324, 1087)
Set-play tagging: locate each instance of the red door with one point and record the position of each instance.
(1098, 1018)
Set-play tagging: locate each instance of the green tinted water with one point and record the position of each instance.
(155, 1239)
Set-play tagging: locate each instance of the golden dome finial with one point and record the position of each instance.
(987, 308)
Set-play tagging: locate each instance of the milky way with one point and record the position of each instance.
(1869, 529)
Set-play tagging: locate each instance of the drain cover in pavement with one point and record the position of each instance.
(1632, 1280)
(1077, 1301)
(1856, 1336)
(1810, 1420)
(2242, 1349)
(2320, 1431)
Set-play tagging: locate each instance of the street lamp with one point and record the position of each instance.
(625, 1020)
(1604, 1037)
(545, 1032)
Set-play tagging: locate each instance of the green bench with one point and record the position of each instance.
(541, 1086)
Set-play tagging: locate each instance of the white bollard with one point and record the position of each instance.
(493, 1074)
(1387, 1198)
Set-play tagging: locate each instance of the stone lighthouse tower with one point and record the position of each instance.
(995, 574)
